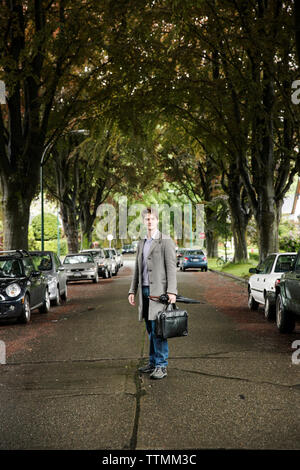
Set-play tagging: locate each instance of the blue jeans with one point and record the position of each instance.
(158, 349)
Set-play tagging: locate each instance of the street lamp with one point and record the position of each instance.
(58, 234)
(109, 238)
(191, 223)
(49, 146)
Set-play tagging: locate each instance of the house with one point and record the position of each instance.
(291, 205)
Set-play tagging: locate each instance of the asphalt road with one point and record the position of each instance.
(71, 381)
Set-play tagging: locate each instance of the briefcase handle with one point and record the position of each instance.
(170, 307)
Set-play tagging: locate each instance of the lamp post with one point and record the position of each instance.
(191, 224)
(58, 234)
(42, 192)
(109, 238)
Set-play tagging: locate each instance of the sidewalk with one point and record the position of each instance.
(230, 384)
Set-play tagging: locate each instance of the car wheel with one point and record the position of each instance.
(64, 295)
(56, 301)
(96, 279)
(26, 312)
(285, 320)
(269, 309)
(205, 270)
(252, 304)
(46, 304)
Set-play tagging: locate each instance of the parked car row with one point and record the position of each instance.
(35, 279)
(109, 260)
(23, 288)
(128, 249)
(275, 284)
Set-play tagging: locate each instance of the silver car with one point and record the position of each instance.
(116, 256)
(49, 264)
(81, 267)
(109, 254)
(121, 262)
(104, 264)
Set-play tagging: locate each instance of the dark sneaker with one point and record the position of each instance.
(159, 373)
(147, 369)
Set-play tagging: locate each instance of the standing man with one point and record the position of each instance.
(154, 274)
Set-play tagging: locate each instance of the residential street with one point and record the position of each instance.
(71, 379)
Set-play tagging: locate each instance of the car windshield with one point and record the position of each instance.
(42, 262)
(78, 259)
(284, 263)
(10, 268)
(194, 252)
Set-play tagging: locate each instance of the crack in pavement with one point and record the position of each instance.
(140, 391)
(124, 358)
(242, 379)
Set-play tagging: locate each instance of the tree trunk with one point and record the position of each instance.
(211, 245)
(16, 211)
(70, 224)
(240, 214)
(239, 226)
(86, 223)
(268, 218)
(211, 236)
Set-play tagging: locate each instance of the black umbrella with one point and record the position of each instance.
(164, 299)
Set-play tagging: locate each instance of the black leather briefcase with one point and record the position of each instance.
(171, 322)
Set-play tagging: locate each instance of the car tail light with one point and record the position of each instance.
(204, 258)
(277, 282)
(186, 258)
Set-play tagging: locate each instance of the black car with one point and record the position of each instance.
(22, 288)
(288, 298)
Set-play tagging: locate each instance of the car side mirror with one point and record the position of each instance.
(253, 271)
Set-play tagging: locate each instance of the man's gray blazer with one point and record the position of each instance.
(161, 263)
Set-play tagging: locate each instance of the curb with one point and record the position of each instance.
(232, 276)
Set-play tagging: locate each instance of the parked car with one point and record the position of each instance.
(80, 267)
(22, 287)
(263, 285)
(116, 256)
(104, 264)
(179, 253)
(49, 263)
(128, 249)
(109, 254)
(193, 258)
(288, 298)
(120, 256)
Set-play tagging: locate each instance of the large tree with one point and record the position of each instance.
(90, 166)
(46, 62)
(244, 104)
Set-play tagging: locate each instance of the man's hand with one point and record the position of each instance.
(172, 298)
(131, 299)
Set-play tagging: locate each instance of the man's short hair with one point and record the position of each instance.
(150, 210)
